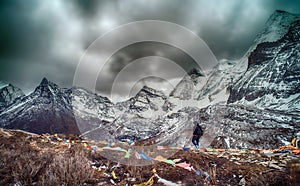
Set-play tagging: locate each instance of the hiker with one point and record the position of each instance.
(198, 132)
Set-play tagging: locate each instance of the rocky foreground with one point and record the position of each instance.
(28, 159)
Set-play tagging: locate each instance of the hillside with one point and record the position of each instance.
(68, 160)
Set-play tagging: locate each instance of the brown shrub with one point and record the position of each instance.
(68, 169)
(20, 163)
(22, 166)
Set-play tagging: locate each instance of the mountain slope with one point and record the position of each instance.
(90, 110)
(137, 119)
(8, 94)
(272, 78)
(191, 82)
(239, 126)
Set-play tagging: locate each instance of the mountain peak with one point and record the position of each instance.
(195, 71)
(47, 86)
(280, 11)
(151, 91)
(276, 26)
(44, 81)
(146, 88)
(281, 14)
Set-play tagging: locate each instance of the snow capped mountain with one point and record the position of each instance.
(148, 103)
(53, 109)
(227, 73)
(183, 94)
(263, 109)
(9, 94)
(139, 113)
(270, 81)
(217, 82)
(272, 78)
(46, 110)
(197, 90)
(252, 102)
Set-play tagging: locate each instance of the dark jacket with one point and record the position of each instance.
(198, 131)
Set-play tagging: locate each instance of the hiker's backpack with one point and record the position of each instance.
(198, 130)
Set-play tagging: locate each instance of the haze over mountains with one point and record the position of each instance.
(252, 102)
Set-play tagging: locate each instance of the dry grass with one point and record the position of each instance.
(22, 166)
(68, 169)
(20, 163)
(25, 160)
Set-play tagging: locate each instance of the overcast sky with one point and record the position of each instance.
(46, 38)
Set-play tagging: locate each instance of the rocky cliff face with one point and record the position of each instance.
(272, 77)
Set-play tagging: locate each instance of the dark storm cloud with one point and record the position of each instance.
(47, 38)
(20, 36)
(87, 8)
(27, 40)
(22, 41)
(292, 6)
(143, 49)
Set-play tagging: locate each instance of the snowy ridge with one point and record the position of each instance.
(3, 84)
(87, 104)
(276, 26)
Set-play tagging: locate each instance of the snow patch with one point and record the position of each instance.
(2, 84)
